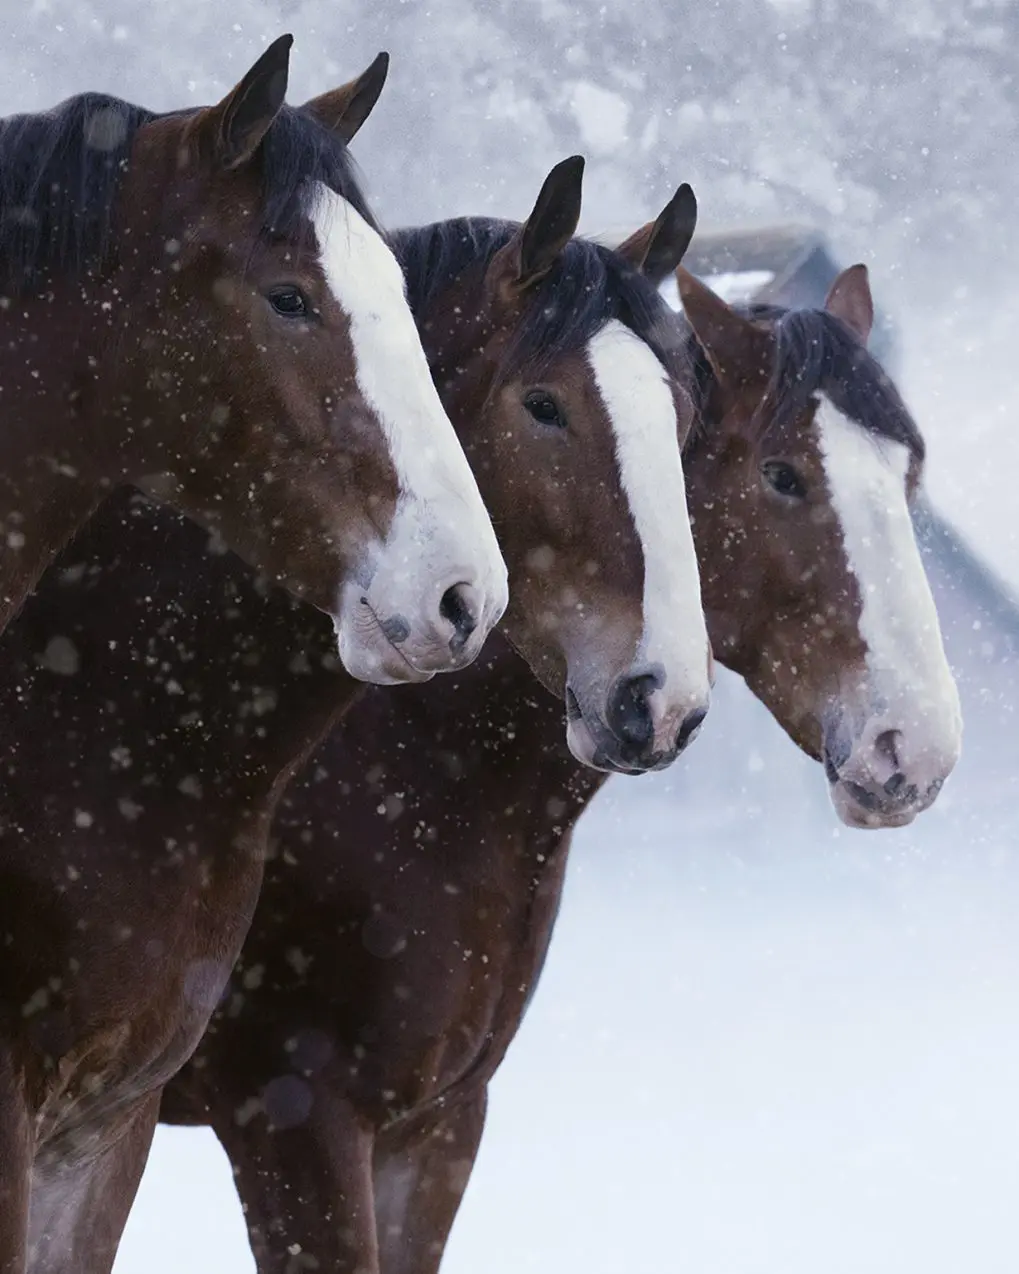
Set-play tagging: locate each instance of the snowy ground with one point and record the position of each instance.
(763, 1045)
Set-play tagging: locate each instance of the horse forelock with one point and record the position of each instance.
(61, 169)
(815, 356)
(588, 287)
(59, 174)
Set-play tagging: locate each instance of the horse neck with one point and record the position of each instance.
(519, 728)
(730, 592)
(56, 463)
(481, 754)
(455, 327)
(270, 680)
(240, 680)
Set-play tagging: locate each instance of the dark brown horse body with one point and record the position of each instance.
(419, 857)
(200, 301)
(190, 303)
(401, 930)
(129, 880)
(155, 698)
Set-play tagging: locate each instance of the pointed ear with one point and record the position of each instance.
(657, 248)
(343, 110)
(234, 130)
(849, 299)
(537, 245)
(740, 353)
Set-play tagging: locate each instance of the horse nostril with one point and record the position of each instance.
(629, 713)
(456, 610)
(886, 744)
(895, 784)
(690, 727)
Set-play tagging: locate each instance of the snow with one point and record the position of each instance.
(602, 117)
(735, 286)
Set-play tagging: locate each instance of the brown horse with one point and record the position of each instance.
(201, 303)
(850, 659)
(154, 699)
(404, 922)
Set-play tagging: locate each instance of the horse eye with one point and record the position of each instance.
(784, 479)
(290, 302)
(543, 408)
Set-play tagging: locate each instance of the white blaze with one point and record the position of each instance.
(911, 684)
(441, 532)
(640, 403)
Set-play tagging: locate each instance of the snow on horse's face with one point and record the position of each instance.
(814, 588)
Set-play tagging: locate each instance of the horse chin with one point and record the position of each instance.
(581, 741)
(863, 818)
(593, 749)
(369, 655)
(586, 744)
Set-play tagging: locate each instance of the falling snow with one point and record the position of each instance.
(763, 1043)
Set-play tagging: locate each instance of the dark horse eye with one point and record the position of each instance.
(784, 479)
(543, 408)
(289, 302)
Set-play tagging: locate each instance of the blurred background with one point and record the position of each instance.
(763, 1044)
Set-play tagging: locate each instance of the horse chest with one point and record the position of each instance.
(114, 975)
(450, 1007)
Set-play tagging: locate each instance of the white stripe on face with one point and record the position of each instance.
(392, 373)
(441, 527)
(639, 400)
(910, 680)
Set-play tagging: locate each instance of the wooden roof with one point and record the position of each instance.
(779, 250)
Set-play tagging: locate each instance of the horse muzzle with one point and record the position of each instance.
(633, 735)
(888, 775)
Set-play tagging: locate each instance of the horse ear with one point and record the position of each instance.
(240, 122)
(740, 353)
(537, 245)
(657, 248)
(849, 299)
(343, 110)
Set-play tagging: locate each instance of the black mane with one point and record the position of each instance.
(60, 170)
(589, 285)
(815, 353)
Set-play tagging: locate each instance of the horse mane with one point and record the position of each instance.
(60, 171)
(588, 285)
(815, 353)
